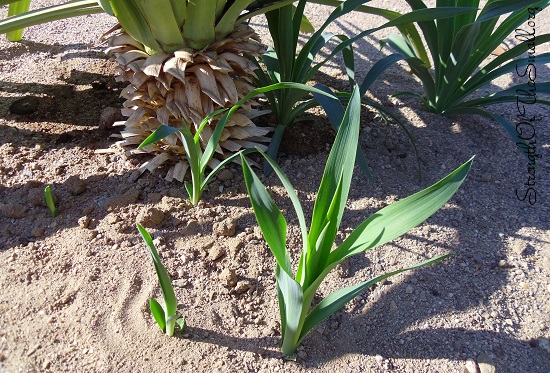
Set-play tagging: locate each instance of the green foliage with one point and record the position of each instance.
(296, 292)
(284, 63)
(198, 161)
(461, 47)
(48, 14)
(50, 203)
(166, 317)
(16, 7)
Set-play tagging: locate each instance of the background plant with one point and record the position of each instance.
(167, 318)
(296, 292)
(460, 47)
(284, 63)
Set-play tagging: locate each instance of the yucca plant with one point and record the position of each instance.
(184, 60)
(285, 63)
(296, 292)
(199, 159)
(461, 48)
(167, 318)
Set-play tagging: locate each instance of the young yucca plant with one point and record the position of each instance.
(199, 159)
(167, 318)
(296, 292)
(50, 203)
(460, 47)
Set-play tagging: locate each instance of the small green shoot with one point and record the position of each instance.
(199, 160)
(48, 198)
(297, 291)
(166, 317)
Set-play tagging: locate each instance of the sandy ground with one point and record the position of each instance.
(75, 289)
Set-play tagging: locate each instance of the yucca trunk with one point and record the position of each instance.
(178, 78)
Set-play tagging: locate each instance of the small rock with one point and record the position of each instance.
(485, 363)
(180, 283)
(225, 228)
(302, 355)
(150, 217)
(235, 246)
(470, 366)
(216, 252)
(123, 200)
(36, 197)
(409, 289)
(25, 106)
(389, 144)
(108, 117)
(242, 286)
(75, 185)
(37, 232)
(84, 222)
(502, 263)
(228, 277)
(192, 228)
(225, 175)
(343, 269)
(13, 210)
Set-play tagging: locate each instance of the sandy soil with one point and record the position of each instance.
(75, 289)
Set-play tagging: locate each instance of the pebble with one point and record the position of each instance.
(409, 289)
(228, 277)
(216, 252)
(37, 232)
(225, 175)
(13, 210)
(470, 366)
(84, 222)
(242, 286)
(180, 283)
(485, 363)
(75, 185)
(25, 106)
(36, 197)
(225, 228)
(108, 117)
(150, 217)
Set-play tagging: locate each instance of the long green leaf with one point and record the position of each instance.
(48, 14)
(158, 313)
(134, 23)
(199, 28)
(340, 298)
(170, 301)
(292, 297)
(333, 191)
(18, 7)
(398, 218)
(269, 217)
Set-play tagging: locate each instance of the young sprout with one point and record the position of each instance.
(166, 317)
(296, 291)
(48, 198)
(199, 160)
